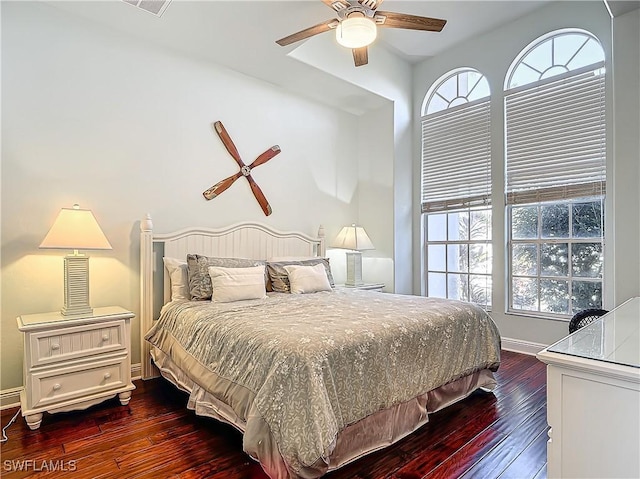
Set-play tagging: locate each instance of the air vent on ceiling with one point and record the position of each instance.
(157, 7)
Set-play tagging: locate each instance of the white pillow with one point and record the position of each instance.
(178, 274)
(308, 279)
(237, 284)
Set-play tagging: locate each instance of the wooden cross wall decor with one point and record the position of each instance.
(245, 170)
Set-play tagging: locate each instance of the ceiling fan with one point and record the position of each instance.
(356, 25)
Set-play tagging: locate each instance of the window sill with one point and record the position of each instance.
(538, 315)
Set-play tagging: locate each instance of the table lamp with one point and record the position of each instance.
(355, 239)
(76, 229)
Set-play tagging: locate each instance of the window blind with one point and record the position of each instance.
(456, 158)
(556, 139)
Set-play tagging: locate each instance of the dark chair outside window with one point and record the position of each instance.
(584, 317)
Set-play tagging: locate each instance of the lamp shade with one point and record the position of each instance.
(356, 32)
(353, 237)
(75, 229)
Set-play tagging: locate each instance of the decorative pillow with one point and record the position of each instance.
(307, 279)
(280, 279)
(179, 278)
(237, 284)
(198, 267)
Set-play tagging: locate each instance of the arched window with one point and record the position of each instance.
(456, 187)
(457, 87)
(554, 54)
(555, 174)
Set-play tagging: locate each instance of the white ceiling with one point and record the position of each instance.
(465, 19)
(241, 34)
(262, 22)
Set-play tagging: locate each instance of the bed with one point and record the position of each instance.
(313, 381)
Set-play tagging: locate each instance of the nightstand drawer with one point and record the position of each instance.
(69, 343)
(51, 387)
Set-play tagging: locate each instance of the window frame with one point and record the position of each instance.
(507, 88)
(570, 240)
(487, 242)
(579, 193)
(464, 199)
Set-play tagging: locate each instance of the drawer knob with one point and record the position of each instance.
(107, 375)
(56, 386)
(55, 346)
(105, 337)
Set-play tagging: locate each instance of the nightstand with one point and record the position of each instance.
(370, 286)
(73, 362)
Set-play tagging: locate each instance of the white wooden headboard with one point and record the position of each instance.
(241, 240)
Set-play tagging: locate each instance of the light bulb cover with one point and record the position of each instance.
(356, 32)
(75, 228)
(353, 237)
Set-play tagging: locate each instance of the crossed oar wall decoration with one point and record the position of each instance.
(245, 170)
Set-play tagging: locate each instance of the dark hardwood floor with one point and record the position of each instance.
(485, 436)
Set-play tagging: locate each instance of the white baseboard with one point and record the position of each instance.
(10, 398)
(136, 371)
(523, 347)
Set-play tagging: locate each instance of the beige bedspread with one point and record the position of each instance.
(309, 365)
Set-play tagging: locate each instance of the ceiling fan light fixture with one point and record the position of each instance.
(356, 32)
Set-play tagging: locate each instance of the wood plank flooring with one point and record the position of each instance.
(500, 435)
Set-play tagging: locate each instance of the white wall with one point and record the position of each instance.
(626, 151)
(492, 54)
(376, 193)
(124, 128)
(390, 151)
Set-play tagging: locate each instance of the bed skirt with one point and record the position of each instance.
(372, 433)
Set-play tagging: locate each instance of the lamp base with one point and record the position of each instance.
(69, 312)
(76, 286)
(354, 269)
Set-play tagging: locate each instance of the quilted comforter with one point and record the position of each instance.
(310, 365)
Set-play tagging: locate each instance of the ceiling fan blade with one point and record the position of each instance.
(266, 156)
(360, 56)
(227, 142)
(257, 192)
(336, 5)
(307, 32)
(221, 186)
(372, 4)
(410, 22)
